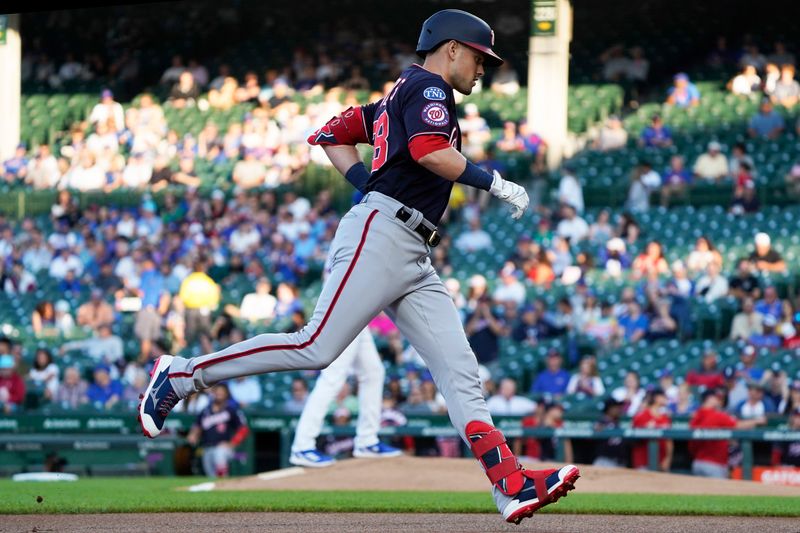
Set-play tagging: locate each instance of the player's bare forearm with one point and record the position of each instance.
(447, 163)
(342, 156)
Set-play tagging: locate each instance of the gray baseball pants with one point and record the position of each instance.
(379, 263)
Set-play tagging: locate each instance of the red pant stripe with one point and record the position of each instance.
(313, 336)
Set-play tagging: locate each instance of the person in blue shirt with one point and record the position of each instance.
(633, 324)
(656, 134)
(554, 379)
(104, 392)
(676, 179)
(683, 93)
(16, 168)
(766, 123)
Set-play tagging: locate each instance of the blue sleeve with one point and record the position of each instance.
(426, 108)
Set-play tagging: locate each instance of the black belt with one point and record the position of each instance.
(431, 236)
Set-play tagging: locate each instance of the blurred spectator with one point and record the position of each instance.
(708, 375)
(510, 141)
(108, 112)
(86, 176)
(652, 416)
(652, 259)
(223, 96)
(246, 391)
(614, 257)
(258, 306)
(572, 226)
(553, 380)
(356, 81)
(644, 180)
(483, 330)
(772, 74)
(739, 156)
(510, 288)
(44, 373)
(662, 325)
(676, 180)
(744, 283)
(587, 380)
(612, 135)
(710, 457)
(712, 165)
(219, 429)
(96, 311)
(15, 169)
(155, 305)
(792, 179)
(764, 258)
(104, 392)
(770, 304)
(633, 324)
(615, 63)
(780, 55)
(788, 453)
(507, 403)
(756, 406)
(532, 327)
(250, 172)
(536, 146)
(747, 370)
(173, 72)
(792, 401)
(713, 285)
(185, 92)
(295, 404)
(752, 56)
(475, 239)
(12, 386)
(745, 200)
(612, 452)
(631, 394)
(71, 393)
(102, 346)
(683, 93)
(475, 131)
(767, 123)
(768, 338)
(746, 82)
(684, 404)
(703, 254)
(600, 231)
(43, 171)
(570, 191)
(505, 81)
(656, 134)
(787, 89)
(200, 296)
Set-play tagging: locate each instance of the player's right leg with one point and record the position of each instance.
(428, 318)
(363, 280)
(330, 381)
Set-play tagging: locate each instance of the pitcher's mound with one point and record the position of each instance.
(465, 475)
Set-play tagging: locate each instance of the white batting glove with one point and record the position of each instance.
(511, 193)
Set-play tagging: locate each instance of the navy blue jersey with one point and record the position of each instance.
(421, 103)
(219, 426)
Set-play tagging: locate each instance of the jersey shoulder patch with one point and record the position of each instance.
(434, 93)
(435, 114)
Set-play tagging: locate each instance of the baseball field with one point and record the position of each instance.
(404, 494)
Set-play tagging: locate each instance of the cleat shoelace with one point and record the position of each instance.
(168, 403)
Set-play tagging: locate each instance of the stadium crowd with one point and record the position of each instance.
(165, 269)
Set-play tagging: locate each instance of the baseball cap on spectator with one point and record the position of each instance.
(149, 206)
(477, 281)
(106, 93)
(22, 146)
(62, 306)
(770, 321)
(96, 293)
(714, 146)
(217, 195)
(762, 239)
(611, 402)
(681, 76)
(6, 361)
(749, 349)
(104, 368)
(795, 385)
(471, 109)
(729, 372)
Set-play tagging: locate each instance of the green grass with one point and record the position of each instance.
(116, 495)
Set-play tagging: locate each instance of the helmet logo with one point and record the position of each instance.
(492, 32)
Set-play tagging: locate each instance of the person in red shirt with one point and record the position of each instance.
(708, 375)
(12, 386)
(653, 416)
(711, 456)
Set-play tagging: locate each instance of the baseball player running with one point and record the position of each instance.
(380, 258)
(363, 357)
